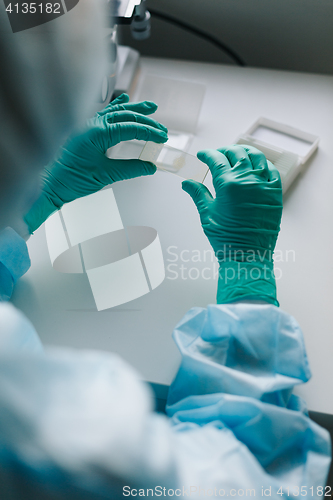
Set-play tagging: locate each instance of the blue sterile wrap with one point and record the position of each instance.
(240, 363)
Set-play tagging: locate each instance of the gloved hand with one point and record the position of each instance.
(242, 223)
(82, 167)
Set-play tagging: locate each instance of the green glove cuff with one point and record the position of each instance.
(39, 212)
(246, 280)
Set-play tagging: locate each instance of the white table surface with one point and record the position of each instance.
(61, 306)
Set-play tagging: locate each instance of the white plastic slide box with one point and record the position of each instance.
(288, 148)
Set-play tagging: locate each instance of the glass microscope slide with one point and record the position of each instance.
(163, 156)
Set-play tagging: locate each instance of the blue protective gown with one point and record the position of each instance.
(79, 424)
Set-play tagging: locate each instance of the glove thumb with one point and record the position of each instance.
(199, 193)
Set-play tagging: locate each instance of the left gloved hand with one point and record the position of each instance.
(82, 167)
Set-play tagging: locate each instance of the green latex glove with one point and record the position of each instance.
(82, 167)
(242, 223)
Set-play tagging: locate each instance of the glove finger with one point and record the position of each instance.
(273, 175)
(130, 116)
(144, 107)
(218, 164)
(120, 170)
(258, 160)
(238, 158)
(199, 193)
(120, 100)
(119, 132)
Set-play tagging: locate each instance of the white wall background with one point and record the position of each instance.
(282, 34)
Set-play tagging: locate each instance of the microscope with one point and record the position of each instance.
(123, 61)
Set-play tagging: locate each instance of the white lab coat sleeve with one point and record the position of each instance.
(83, 420)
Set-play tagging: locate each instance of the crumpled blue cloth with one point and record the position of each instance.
(239, 365)
(80, 423)
(14, 261)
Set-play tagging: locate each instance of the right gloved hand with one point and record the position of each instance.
(242, 223)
